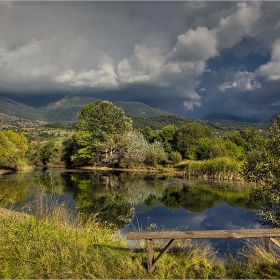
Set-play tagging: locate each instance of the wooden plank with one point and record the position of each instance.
(275, 241)
(165, 249)
(236, 233)
(150, 255)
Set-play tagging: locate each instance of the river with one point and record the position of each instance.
(140, 201)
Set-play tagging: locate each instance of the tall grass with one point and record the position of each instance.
(216, 168)
(51, 244)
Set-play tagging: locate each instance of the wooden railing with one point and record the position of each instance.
(175, 235)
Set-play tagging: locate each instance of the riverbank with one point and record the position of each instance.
(214, 169)
(223, 168)
(53, 247)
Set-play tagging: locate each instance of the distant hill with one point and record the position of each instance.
(158, 122)
(140, 109)
(17, 109)
(218, 116)
(66, 109)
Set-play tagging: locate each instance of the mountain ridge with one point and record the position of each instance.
(66, 109)
(217, 116)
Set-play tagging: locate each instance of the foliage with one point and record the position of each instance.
(49, 153)
(13, 147)
(46, 151)
(155, 155)
(69, 147)
(167, 137)
(159, 122)
(188, 135)
(208, 148)
(175, 157)
(249, 139)
(102, 132)
(264, 168)
(135, 151)
(139, 151)
(148, 134)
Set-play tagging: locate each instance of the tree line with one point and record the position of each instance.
(105, 137)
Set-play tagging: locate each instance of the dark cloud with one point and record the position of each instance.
(193, 58)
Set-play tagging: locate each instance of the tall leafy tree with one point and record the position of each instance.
(188, 135)
(264, 167)
(167, 137)
(101, 132)
(13, 147)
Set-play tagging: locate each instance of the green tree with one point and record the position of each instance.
(102, 132)
(148, 133)
(235, 137)
(188, 135)
(253, 139)
(264, 168)
(138, 152)
(13, 147)
(175, 157)
(208, 148)
(156, 154)
(248, 139)
(46, 151)
(135, 151)
(167, 137)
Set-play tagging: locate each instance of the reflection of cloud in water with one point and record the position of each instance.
(221, 216)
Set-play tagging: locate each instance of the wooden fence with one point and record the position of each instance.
(175, 235)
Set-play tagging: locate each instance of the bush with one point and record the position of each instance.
(175, 157)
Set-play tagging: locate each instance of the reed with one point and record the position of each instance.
(216, 168)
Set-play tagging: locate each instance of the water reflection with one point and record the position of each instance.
(139, 199)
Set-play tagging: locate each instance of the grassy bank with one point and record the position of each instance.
(223, 168)
(53, 245)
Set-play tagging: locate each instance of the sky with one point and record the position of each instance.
(192, 58)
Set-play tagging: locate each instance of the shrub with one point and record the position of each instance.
(175, 157)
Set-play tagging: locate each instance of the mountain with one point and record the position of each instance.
(13, 108)
(66, 109)
(218, 116)
(139, 109)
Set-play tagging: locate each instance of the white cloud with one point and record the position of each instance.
(103, 77)
(94, 45)
(240, 81)
(195, 45)
(235, 27)
(271, 70)
(26, 64)
(190, 104)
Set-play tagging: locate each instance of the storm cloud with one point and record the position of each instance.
(193, 58)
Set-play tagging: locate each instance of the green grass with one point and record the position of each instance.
(216, 168)
(53, 245)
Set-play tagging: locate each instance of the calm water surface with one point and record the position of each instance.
(141, 201)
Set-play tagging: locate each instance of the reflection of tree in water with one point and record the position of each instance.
(103, 195)
(12, 191)
(112, 196)
(199, 198)
(19, 187)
